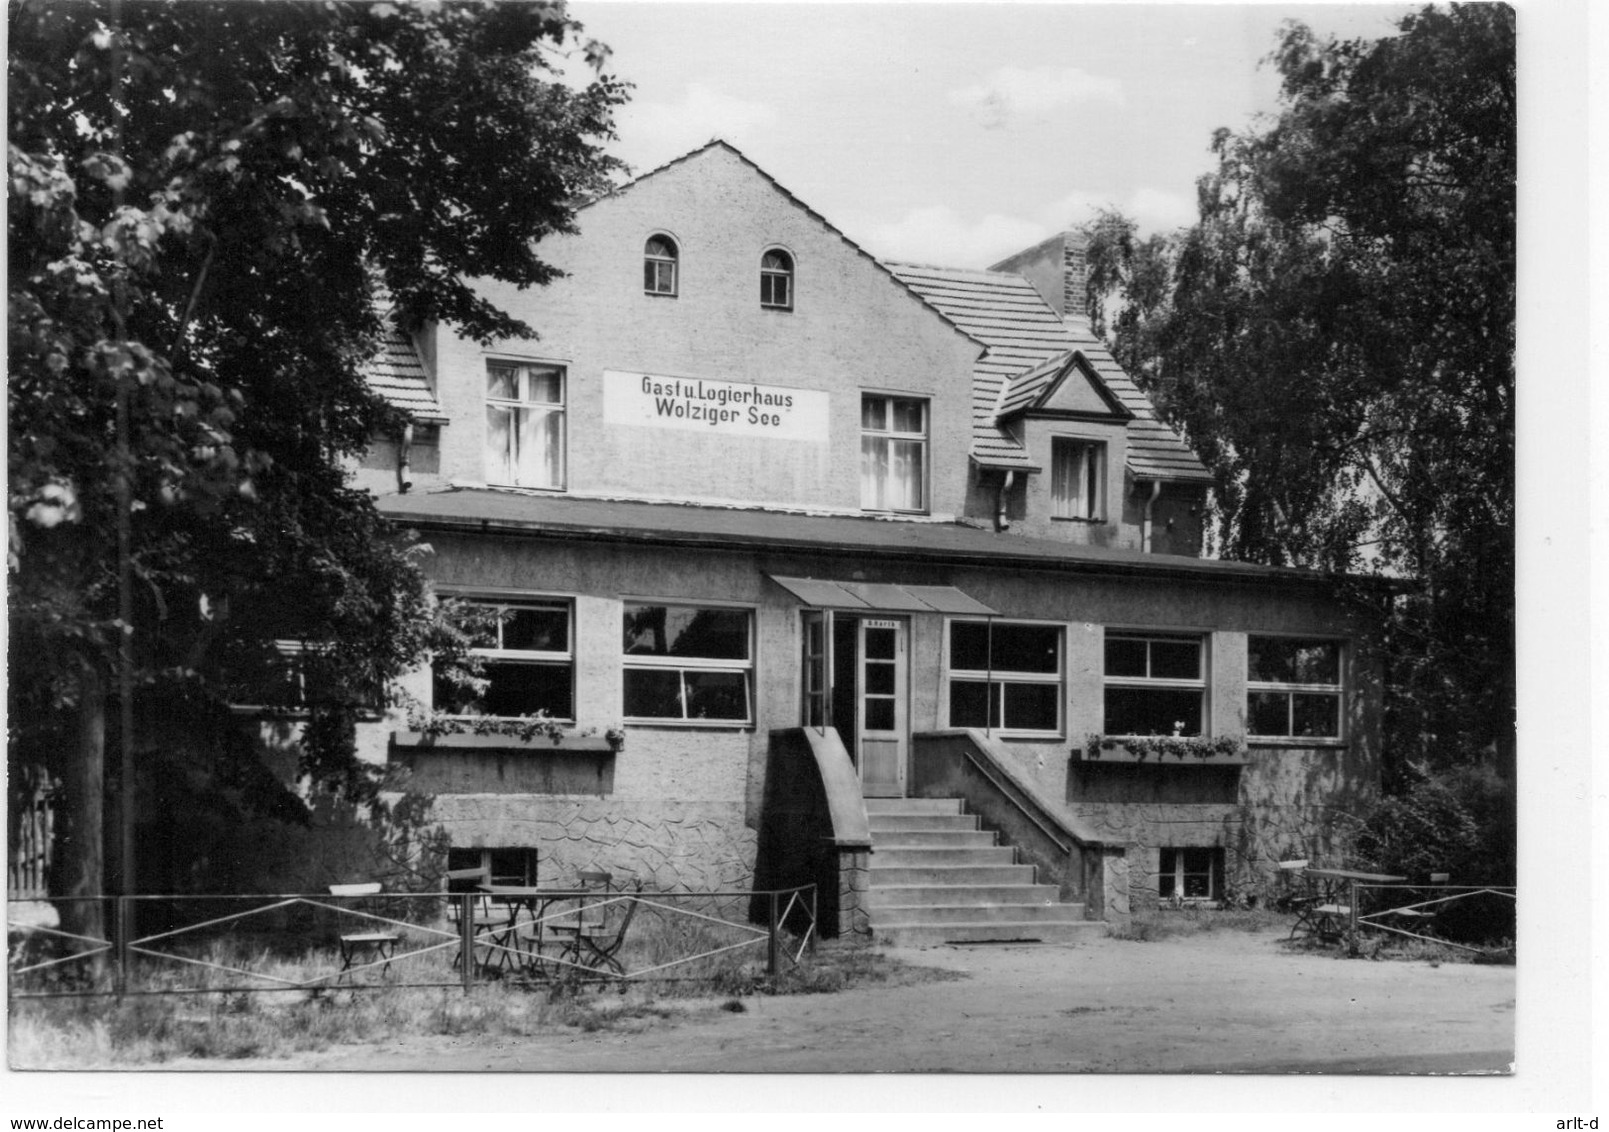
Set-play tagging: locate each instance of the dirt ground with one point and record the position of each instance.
(1226, 1002)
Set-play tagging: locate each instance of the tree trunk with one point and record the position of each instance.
(80, 844)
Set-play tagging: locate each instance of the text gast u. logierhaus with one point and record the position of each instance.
(888, 575)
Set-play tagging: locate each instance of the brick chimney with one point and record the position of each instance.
(1058, 268)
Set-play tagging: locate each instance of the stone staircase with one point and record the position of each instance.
(936, 877)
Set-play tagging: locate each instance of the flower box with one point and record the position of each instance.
(595, 744)
(1163, 750)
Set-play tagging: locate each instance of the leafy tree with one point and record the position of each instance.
(1336, 336)
(206, 199)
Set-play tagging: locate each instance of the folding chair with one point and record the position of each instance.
(360, 944)
(598, 948)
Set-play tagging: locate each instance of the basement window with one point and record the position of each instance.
(1190, 874)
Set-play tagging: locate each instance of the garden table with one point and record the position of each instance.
(1332, 907)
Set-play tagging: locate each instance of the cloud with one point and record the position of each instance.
(659, 131)
(1016, 92)
(939, 235)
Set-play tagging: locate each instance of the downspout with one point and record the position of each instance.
(1001, 522)
(1156, 490)
(404, 443)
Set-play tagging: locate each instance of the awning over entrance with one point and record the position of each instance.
(885, 596)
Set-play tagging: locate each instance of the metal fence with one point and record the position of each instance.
(144, 945)
(1434, 912)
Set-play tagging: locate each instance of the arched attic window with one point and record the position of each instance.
(659, 266)
(776, 279)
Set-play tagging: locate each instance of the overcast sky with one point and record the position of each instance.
(956, 134)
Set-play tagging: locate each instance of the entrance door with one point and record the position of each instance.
(881, 706)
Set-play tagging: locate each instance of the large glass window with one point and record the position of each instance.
(524, 424)
(688, 662)
(1006, 676)
(1077, 479)
(527, 663)
(893, 453)
(776, 280)
(1293, 688)
(1155, 684)
(659, 266)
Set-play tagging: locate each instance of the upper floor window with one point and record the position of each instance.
(1005, 676)
(527, 663)
(1077, 479)
(687, 662)
(659, 266)
(893, 453)
(1155, 685)
(524, 424)
(776, 280)
(1293, 688)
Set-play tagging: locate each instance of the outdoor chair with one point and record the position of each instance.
(356, 945)
(598, 944)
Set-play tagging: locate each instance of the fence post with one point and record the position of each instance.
(771, 942)
(466, 938)
(815, 924)
(120, 928)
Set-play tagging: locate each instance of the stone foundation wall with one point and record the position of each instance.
(854, 879)
(689, 846)
(1254, 838)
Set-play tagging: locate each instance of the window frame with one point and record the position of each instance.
(684, 664)
(1201, 683)
(1290, 689)
(657, 264)
(890, 436)
(1092, 466)
(548, 658)
(483, 858)
(1177, 875)
(559, 408)
(769, 275)
(998, 678)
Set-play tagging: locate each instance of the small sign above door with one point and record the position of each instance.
(873, 623)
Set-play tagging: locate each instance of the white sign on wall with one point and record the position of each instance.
(724, 408)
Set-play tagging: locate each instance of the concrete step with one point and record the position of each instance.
(899, 823)
(892, 895)
(928, 857)
(885, 875)
(933, 839)
(900, 915)
(935, 935)
(913, 806)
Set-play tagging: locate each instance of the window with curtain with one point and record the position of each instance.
(893, 453)
(1077, 479)
(524, 424)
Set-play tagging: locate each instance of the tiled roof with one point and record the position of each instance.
(735, 528)
(398, 374)
(1022, 332)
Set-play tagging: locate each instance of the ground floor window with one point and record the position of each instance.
(1005, 675)
(1293, 688)
(688, 663)
(1155, 684)
(1190, 874)
(498, 866)
(527, 659)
